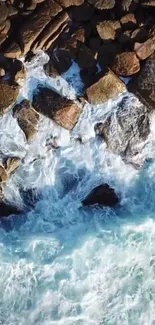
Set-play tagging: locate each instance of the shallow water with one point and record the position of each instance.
(63, 264)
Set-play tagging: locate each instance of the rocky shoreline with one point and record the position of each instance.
(109, 40)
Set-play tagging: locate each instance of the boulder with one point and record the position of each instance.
(11, 164)
(3, 174)
(108, 30)
(85, 57)
(128, 21)
(129, 37)
(8, 94)
(102, 4)
(4, 12)
(148, 3)
(4, 31)
(108, 52)
(33, 26)
(81, 13)
(69, 3)
(143, 85)
(51, 32)
(126, 129)
(129, 5)
(102, 195)
(27, 118)
(126, 64)
(144, 50)
(7, 209)
(60, 109)
(106, 87)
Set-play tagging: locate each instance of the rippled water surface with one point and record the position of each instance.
(63, 264)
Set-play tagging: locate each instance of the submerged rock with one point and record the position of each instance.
(60, 109)
(102, 195)
(126, 128)
(6, 209)
(105, 88)
(8, 94)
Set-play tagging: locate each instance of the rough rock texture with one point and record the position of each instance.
(102, 195)
(108, 52)
(69, 3)
(107, 87)
(129, 5)
(128, 21)
(51, 32)
(102, 4)
(144, 84)
(148, 3)
(11, 164)
(34, 26)
(3, 174)
(82, 13)
(85, 57)
(8, 95)
(27, 118)
(126, 64)
(62, 110)
(6, 209)
(144, 50)
(107, 30)
(3, 12)
(125, 129)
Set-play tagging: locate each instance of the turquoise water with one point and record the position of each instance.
(63, 264)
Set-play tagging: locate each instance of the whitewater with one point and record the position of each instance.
(61, 263)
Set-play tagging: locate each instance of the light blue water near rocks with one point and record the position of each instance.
(63, 264)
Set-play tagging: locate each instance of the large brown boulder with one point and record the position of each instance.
(8, 94)
(107, 87)
(143, 85)
(102, 4)
(125, 130)
(27, 118)
(126, 64)
(148, 3)
(144, 50)
(69, 3)
(102, 195)
(11, 164)
(3, 12)
(33, 26)
(82, 13)
(3, 174)
(129, 5)
(60, 109)
(51, 32)
(108, 30)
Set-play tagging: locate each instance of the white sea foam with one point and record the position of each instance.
(62, 264)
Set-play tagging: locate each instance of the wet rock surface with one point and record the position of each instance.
(106, 87)
(127, 128)
(8, 94)
(27, 118)
(102, 195)
(62, 110)
(143, 86)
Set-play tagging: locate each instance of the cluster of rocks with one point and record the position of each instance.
(108, 39)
